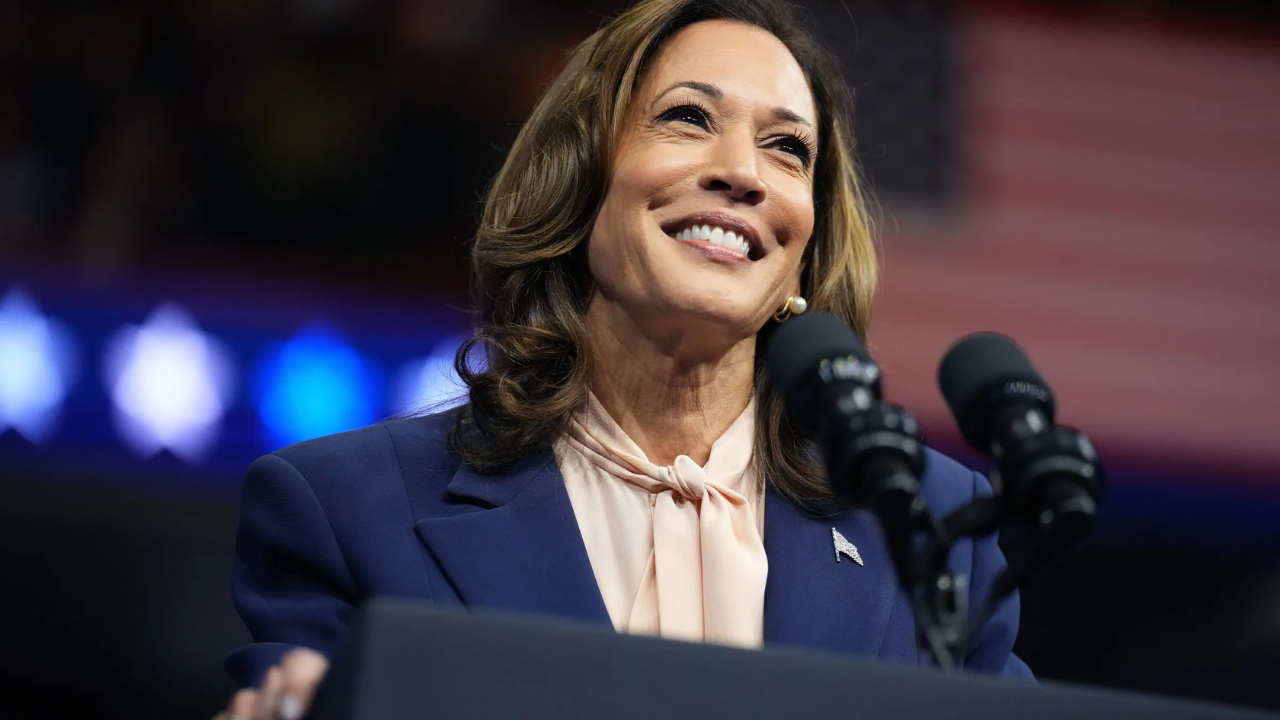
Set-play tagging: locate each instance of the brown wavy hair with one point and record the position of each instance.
(530, 276)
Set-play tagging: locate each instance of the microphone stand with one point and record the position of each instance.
(940, 611)
(937, 595)
(942, 604)
(938, 599)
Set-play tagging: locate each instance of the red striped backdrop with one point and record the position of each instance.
(1121, 220)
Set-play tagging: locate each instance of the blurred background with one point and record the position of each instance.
(229, 225)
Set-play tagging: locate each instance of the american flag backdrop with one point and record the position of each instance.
(1119, 216)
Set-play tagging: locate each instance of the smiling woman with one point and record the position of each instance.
(686, 183)
(675, 117)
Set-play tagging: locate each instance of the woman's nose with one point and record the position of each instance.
(733, 170)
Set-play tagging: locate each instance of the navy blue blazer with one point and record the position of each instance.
(388, 510)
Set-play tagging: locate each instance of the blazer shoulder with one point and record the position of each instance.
(326, 523)
(947, 484)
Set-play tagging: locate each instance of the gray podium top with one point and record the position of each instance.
(410, 660)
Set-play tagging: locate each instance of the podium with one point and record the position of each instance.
(406, 660)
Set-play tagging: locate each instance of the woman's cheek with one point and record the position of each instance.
(794, 198)
(663, 169)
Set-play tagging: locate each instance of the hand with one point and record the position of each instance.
(287, 689)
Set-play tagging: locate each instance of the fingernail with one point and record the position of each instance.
(290, 707)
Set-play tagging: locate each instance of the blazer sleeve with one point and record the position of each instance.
(993, 650)
(290, 582)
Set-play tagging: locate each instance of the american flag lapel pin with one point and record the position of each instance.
(844, 547)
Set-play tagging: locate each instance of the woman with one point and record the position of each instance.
(685, 183)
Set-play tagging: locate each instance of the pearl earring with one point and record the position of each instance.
(794, 306)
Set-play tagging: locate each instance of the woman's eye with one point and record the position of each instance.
(688, 114)
(795, 146)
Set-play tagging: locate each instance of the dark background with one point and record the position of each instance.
(273, 165)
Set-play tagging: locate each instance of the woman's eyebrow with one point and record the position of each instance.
(782, 113)
(707, 89)
(716, 93)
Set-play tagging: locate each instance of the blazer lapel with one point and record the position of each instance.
(520, 548)
(810, 599)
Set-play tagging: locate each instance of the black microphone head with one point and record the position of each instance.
(797, 352)
(984, 372)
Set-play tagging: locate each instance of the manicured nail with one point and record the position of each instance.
(290, 707)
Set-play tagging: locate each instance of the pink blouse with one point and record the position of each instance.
(677, 550)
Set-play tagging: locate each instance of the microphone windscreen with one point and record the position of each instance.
(982, 372)
(796, 350)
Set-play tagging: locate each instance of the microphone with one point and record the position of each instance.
(1046, 474)
(873, 450)
(832, 388)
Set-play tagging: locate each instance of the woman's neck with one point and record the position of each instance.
(670, 391)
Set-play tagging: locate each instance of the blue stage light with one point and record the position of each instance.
(37, 367)
(315, 384)
(430, 384)
(170, 383)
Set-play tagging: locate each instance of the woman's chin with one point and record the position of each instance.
(732, 320)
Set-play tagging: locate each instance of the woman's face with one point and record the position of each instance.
(705, 223)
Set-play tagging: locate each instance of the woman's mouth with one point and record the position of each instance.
(717, 233)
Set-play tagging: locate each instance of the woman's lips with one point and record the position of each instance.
(719, 228)
(719, 253)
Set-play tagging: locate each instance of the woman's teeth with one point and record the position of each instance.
(717, 235)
